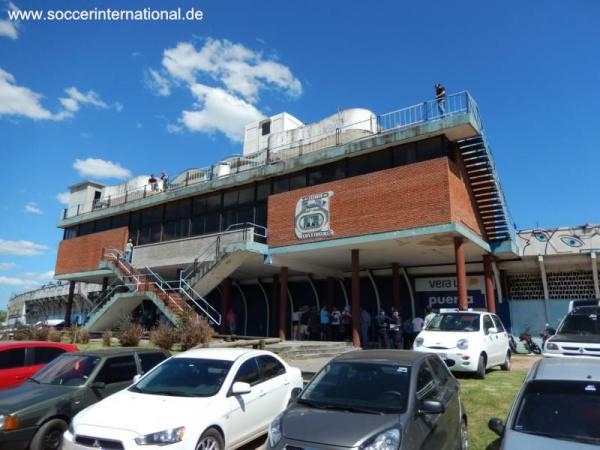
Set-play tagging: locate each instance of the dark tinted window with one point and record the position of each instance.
(270, 367)
(580, 324)
(86, 228)
(265, 128)
(431, 148)
(297, 181)
(487, 324)
(498, 324)
(10, 359)
(440, 370)
(263, 190)
(43, 355)
(212, 222)
(213, 201)
(425, 383)
(281, 185)
(248, 372)
(118, 370)
(149, 360)
(103, 225)
(405, 154)
(230, 198)
(246, 195)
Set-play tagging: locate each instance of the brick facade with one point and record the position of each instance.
(83, 253)
(427, 193)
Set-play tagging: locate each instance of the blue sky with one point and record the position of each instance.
(148, 96)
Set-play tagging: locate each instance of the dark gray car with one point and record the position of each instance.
(375, 399)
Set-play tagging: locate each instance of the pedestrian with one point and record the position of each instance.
(429, 315)
(165, 180)
(347, 323)
(417, 326)
(304, 319)
(396, 330)
(231, 319)
(336, 323)
(324, 321)
(382, 323)
(365, 323)
(295, 324)
(129, 250)
(440, 96)
(153, 183)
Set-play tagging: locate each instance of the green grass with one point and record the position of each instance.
(487, 398)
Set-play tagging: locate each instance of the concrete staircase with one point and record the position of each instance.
(303, 350)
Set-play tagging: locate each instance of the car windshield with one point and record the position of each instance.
(360, 387)
(67, 370)
(454, 322)
(185, 377)
(567, 410)
(580, 324)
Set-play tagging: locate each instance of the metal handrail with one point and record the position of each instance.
(190, 288)
(413, 115)
(159, 285)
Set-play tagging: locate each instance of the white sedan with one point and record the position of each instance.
(212, 399)
(467, 341)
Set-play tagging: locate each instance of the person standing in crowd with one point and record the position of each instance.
(129, 250)
(396, 330)
(336, 323)
(165, 180)
(304, 319)
(417, 326)
(440, 96)
(382, 323)
(296, 324)
(365, 323)
(347, 323)
(152, 181)
(231, 319)
(324, 321)
(429, 315)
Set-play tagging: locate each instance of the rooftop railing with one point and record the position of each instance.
(414, 115)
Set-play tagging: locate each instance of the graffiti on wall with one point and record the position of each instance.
(557, 241)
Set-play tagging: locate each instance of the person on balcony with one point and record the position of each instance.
(153, 182)
(165, 180)
(440, 96)
(129, 250)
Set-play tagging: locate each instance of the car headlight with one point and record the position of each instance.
(8, 422)
(162, 437)
(551, 346)
(275, 434)
(388, 440)
(418, 342)
(462, 344)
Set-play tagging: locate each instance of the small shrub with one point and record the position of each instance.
(54, 336)
(195, 331)
(83, 337)
(22, 333)
(40, 333)
(164, 336)
(131, 334)
(106, 338)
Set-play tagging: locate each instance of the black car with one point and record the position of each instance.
(35, 414)
(378, 399)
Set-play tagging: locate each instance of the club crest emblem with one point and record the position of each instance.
(312, 219)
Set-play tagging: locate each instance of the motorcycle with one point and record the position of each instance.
(528, 343)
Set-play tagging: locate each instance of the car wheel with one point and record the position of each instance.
(211, 439)
(49, 436)
(480, 368)
(506, 365)
(464, 436)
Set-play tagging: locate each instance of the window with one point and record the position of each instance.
(86, 228)
(10, 359)
(70, 233)
(246, 214)
(43, 355)
(230, 198)
(246, 195)
(487, 324)
(177, 217)
(498, 324)
(440, 370)
(327, 173)
(425, 385)
(270, 367)
(213, 201)
(263, 190)
(248, 372)
(103, 225)
(404, 154)
(431, 148)
(120, 221)
(149, 360)
(118, 370)
(230, 217)
(297, 181)
(265, 128)
(281, 184)
(212, 222)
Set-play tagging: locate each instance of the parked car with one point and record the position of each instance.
(375, 399)
(202, 399)
(558, 408)
(21, 359)
(577, 335)
(467, 341)
(35, 414)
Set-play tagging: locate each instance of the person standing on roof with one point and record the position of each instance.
(440, 96)
(165, 180)
(128, 250)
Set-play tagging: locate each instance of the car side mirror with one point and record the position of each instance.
(136, 378)
(240, 388)
(98, 385)
(431, 407)
(495, 424)
(295, 394)
(492, 330)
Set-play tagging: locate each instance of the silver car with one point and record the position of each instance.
(558, 407)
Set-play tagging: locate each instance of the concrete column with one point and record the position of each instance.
(489, 283)
(283, 299)
(274, 310)
(396, 286)
(461, 273)
(355, 299)
(225, 303)
(69, 304)
(545, 286)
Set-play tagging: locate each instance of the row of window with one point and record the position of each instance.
(214, 212)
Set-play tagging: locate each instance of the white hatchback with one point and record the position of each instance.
(467, 341)
(202, 399)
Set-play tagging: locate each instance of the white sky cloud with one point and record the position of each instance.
(158, 84)
(27, 279)
(9, 28)
(17, 281)
(32, 208)
(100, 168)
(7, 265)
(63, 197)
(239, 75)
(23, 248)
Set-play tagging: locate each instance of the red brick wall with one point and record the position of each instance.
(84, 253)
(464, 209)
(408, 196)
